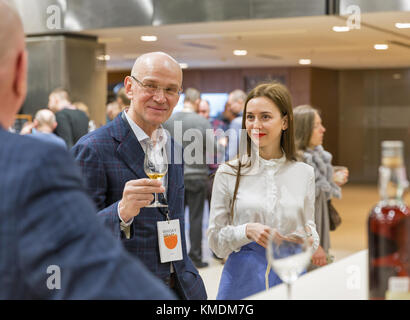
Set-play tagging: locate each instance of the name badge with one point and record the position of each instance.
(169, 237)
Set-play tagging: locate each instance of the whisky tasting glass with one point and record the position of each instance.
(289, 250)
(155, 167)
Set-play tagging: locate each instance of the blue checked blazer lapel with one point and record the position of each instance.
(129, 149)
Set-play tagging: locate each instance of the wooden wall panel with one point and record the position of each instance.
(115, 77)
(299, 85)
(352, 113)
(324, 96)
(374, 106)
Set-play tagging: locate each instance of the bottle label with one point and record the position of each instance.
(399, 284)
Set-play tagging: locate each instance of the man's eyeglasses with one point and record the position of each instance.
(153, 88)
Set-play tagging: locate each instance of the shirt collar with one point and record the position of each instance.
(142, 136)
(273, 162)
(139, 133)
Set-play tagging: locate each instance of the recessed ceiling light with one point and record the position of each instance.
(381, 46)
(183, 65)
(402, 25)
(240, 52)
(149, 38)
(103, 57)
(341, 28)
(305, 61)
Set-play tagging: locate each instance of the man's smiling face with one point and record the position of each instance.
(149, 109)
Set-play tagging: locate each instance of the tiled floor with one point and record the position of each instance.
(350, 237)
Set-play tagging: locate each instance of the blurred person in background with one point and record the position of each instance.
(309, 133)
(236, 102)
(113, 110)
(72, 123)
(196, 172)
(84, 108)
(122, 99)
(223, 120)
(204, 109)
(42, 128)
(221, 123)
(52, 246)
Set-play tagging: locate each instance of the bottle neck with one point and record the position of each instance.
(392, 183)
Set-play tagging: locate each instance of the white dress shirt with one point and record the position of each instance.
(272, 193)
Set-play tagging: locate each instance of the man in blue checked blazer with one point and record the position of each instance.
(112, 161)
(52, 246)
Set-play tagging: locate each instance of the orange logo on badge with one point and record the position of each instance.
(171, 241)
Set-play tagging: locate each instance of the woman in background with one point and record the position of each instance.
(256, 193)
(309, 132)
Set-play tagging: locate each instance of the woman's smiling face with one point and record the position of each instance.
(264, 122)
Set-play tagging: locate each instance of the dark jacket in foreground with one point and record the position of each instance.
(47, 221)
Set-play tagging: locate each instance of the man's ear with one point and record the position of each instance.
(128, 87)
(20, 78)
(285, 122)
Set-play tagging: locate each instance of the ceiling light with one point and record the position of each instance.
(240, 52)
(305, 61)
(149, 38)
(183, 65)
(103, 57)
(381, 46)
(402, 25)
(341, 28)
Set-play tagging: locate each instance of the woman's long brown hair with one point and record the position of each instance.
(280, 96)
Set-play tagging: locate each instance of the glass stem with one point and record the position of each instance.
(289, 286)
(156, 198)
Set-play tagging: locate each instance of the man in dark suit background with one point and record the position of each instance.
(112, 160)
(51, 244)
(72, 123)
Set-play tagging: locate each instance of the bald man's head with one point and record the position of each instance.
(13, 64)
(11, 30)
(148, 61)
(153, 88)
(45, 120)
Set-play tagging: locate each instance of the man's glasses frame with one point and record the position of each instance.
(153, 88)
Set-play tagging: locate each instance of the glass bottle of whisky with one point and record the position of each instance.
(389, 223)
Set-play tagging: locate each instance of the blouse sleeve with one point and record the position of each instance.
(223, 237)
(310, 209)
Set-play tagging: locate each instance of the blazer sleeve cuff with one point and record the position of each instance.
(111, 220)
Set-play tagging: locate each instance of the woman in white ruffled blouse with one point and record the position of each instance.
(252, 195)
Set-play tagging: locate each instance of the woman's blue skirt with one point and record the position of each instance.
(244, 273)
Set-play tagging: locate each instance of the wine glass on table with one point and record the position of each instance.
(155, 167)
(290, 249)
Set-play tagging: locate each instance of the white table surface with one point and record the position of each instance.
(346, 279)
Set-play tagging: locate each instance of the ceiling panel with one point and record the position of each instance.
(210, 45)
